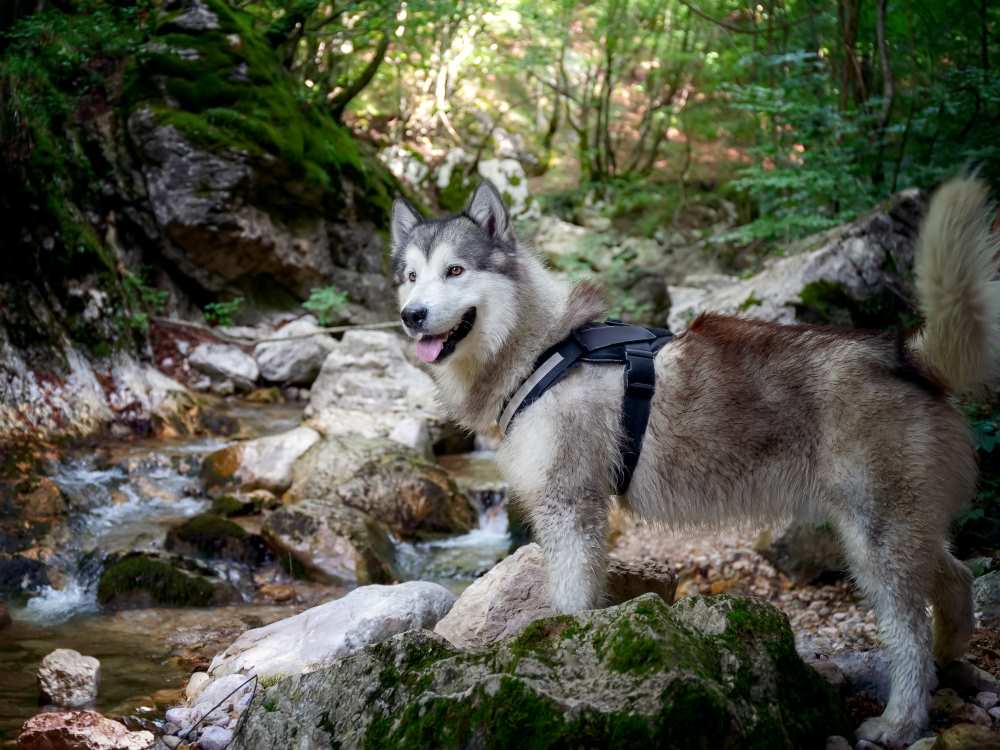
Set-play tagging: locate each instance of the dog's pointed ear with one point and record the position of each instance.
(486, 208)
(404, 218)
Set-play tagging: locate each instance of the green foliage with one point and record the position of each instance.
(977, 529)
(326, 303)
(222, 313)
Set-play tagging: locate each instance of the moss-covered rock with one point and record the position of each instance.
(236, 156)
(386, 480)
(705, 673)
(210, 535)
(140, 580)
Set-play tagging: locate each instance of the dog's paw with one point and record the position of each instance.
(887, 732)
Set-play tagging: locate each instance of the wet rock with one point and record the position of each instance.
(967, 679)
(856, 275)
(967, 737)
(263, 463)
(627, 580)
(986, 596)
(212, 536)
(946, 704)
(75, 395)
(638, 674)
(141, 580)
(384, 479)
(225, 362)
(367, 385)
(514, 593)
(806, 553)
(315, 638)
(80, 730)
(330, 542)
(298, 360)
(21, 576)
(68, 679)
(866, 672)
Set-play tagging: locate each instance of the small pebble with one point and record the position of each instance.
(987, 699)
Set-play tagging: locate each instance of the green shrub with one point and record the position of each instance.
(326, 303)
(221, 313)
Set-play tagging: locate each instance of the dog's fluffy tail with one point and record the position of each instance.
(956, 268)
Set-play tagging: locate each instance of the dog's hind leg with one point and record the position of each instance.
(954, 621)
(893, 564)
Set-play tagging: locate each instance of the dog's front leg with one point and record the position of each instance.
(571, 527)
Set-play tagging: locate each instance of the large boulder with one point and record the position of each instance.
(308, 641)
(250, 191)
(298, 357)
(367, 385)
(331, 542)
(514, 593)
(69, 679)
(262, 463)
(314, 639)
(225, 362)
(858, 274)
(80, 730)
(385, 480)
(705, 673)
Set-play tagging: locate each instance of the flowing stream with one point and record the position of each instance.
(124, 498)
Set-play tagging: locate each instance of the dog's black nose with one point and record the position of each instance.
(414, 316)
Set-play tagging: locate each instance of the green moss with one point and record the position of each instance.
(208, 527)
(164, 583)
(59, 69)
(228, 506)
(225, 89)
(213, 536)
(456, 193)
(751, 301)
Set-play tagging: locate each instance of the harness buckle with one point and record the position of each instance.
(640, 372)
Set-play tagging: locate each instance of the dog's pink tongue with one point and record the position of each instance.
(429, 347)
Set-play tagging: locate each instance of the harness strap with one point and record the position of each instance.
(613, 342)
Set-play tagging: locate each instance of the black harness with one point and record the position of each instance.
(611, 342)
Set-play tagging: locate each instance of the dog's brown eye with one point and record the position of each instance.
(412, 276)
(455, 270)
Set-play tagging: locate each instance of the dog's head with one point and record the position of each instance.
(456, 277)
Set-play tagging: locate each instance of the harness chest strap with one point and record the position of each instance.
(612, 342)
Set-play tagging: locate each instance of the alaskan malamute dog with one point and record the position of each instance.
(750, 420)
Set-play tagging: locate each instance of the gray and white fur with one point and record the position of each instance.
(751, 421)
